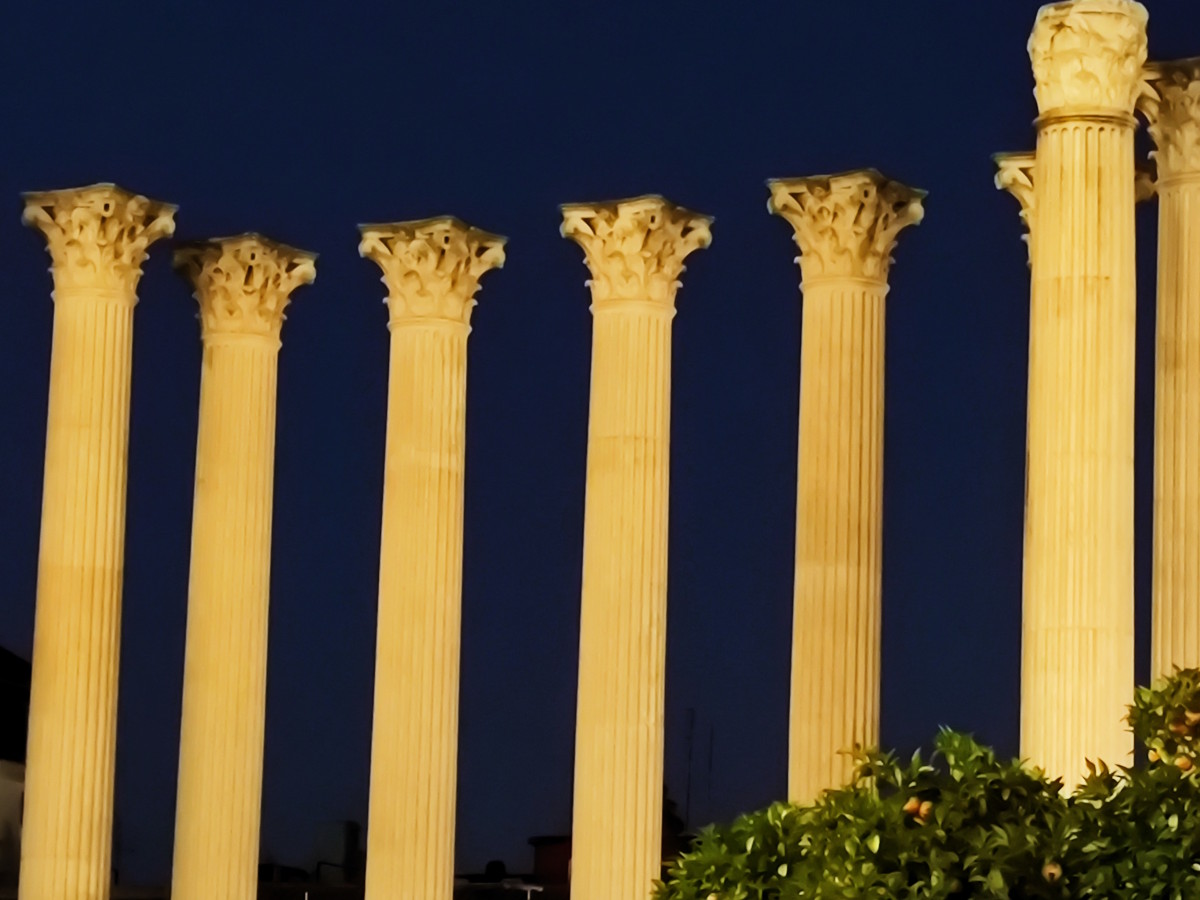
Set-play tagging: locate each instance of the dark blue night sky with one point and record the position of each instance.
(302, 120)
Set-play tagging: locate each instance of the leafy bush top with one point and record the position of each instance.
(963, 824)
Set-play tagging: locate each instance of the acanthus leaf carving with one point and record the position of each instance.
(1088, 55)
(1171, 104)
(98, 236)
(845, 225)
(635, 248)
(431, 267)
(243, 283)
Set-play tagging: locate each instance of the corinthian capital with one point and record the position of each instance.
(431, 267)
(1087, 57)
(243, 282)
(845, 225)
(1171, 104)
(635, 248)
(98, 235)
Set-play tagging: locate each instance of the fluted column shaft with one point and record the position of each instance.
(1077, 635)
(1172, 106)
(635, 251)
(839, 536)
(1176, 577)
(617, 835)
(225, 668)
(1077, 647)
(67, 827)
(845, 226)
(97, 237)
(432, 270)
(242, 285)
(415, 742)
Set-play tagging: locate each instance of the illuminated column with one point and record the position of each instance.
(1077, 642)
(1172, 106)
(98, 237)
(432, 270)
(242, 284)
(846, 227)
(635, 251)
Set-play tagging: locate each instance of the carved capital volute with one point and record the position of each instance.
(98, 236)
(431, 267)
(1171, 105)
(1014, 173)
(635, 248)
(1087, 58)
(845, 225)
(243, 283)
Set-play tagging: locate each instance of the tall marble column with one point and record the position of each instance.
(98, 238)
(846, 227)
(242, 284)
(635, 250)
(1171, 104)
(432, 270)
(1077, 636)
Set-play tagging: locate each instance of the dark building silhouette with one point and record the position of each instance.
(14, 722)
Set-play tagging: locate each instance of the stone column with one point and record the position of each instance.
(1077, 641)
(97, 237)
(242, 284)
(635, 251)
(432, 270)
(846, 227)
(1172, 105)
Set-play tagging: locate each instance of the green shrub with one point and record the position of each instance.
(963, 824)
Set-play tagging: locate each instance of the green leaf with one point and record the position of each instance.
(995, 880)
